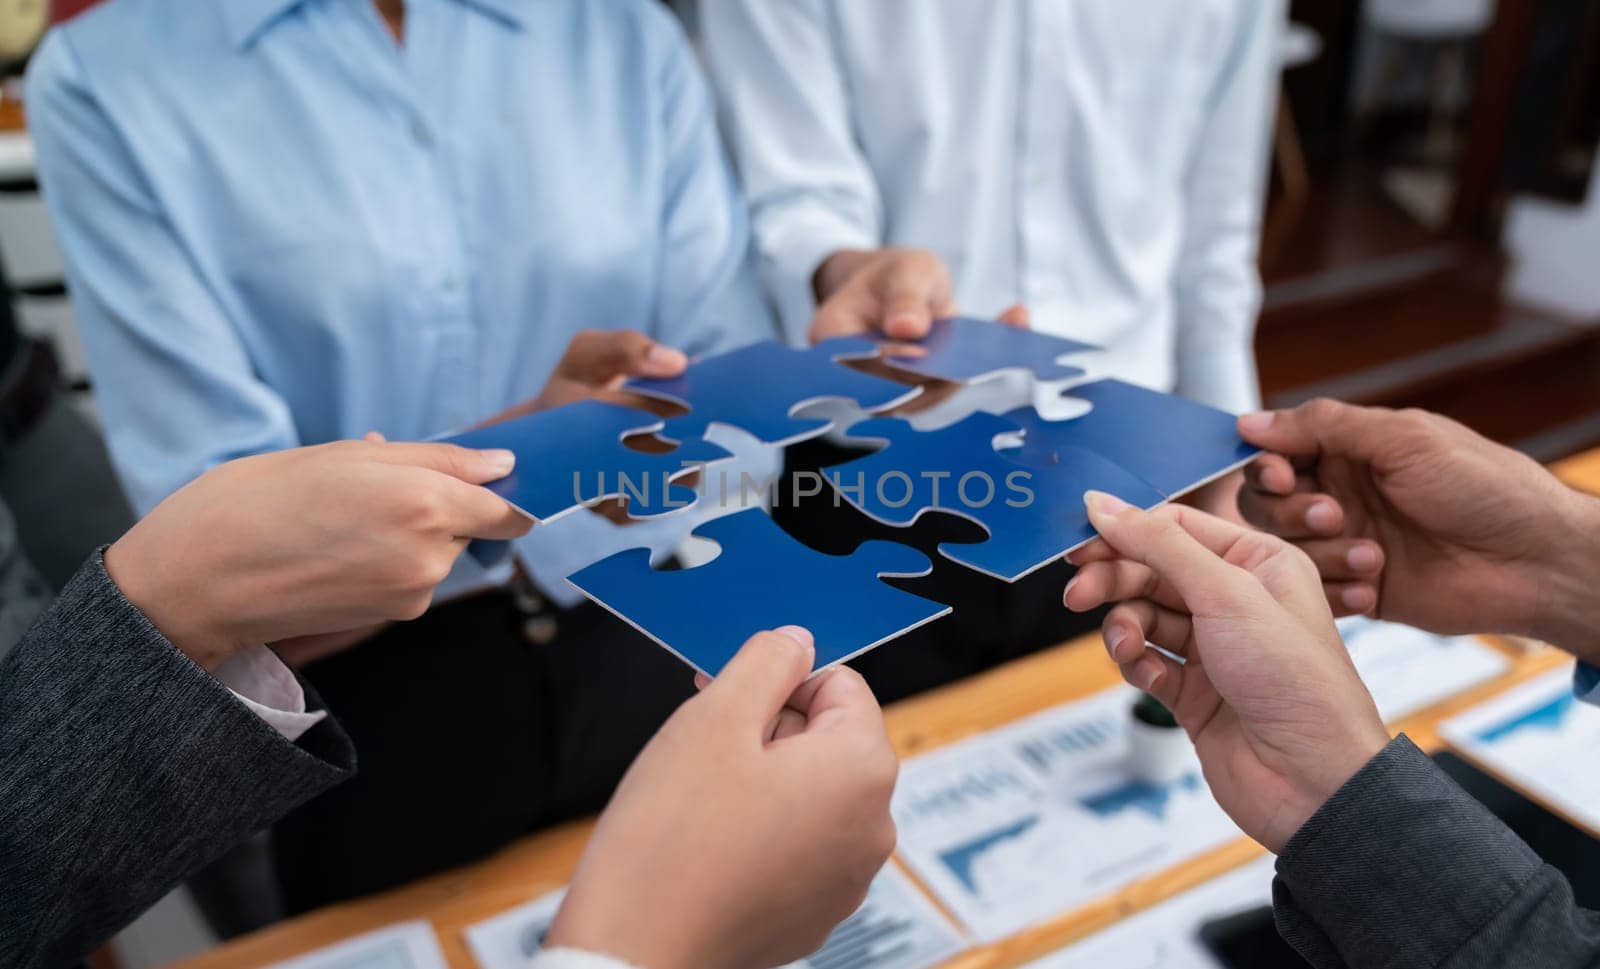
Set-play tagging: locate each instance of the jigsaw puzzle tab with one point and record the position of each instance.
(966, 350)
(574, 455)
(1173, 444)
(763, 578)
(1033, 511)
(758, 388)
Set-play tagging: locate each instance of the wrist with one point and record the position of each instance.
(1566, 612)
(172, 601)
(580, 926)
(1344, 760)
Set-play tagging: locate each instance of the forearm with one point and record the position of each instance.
(1402, 868)
(124, 767)
(786, 112)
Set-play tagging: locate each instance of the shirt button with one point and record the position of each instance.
(419, 131)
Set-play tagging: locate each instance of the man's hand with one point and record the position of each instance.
(1413, 517)
(750, 825)
(1268, 694)
(896, 292)
(596, 363)
(307, 541)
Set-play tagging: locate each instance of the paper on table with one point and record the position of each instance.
(1540, 739)
(895, 928)
(1167, 936)
(408, 945)
(1023, 823)
(1408, 670)
(509, 940)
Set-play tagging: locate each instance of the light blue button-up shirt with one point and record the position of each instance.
(283, 228)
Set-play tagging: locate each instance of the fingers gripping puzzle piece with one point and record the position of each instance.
(763, 578)
(1033, 511)
(759, 388)
(1173, 444)
(574, 455)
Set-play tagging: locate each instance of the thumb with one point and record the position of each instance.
(471, 465)
(1167, 542)
(758, 681)
(1318, 427)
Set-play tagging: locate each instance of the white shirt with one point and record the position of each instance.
(1101, 161)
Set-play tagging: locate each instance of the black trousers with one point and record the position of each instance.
(469, 735)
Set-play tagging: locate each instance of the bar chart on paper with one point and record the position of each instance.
(1012, 827)
(1540, 739)
(895, 928)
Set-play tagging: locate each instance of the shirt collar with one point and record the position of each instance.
(248, 18)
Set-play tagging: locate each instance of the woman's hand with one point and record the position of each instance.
(748, 828)
(308, 540)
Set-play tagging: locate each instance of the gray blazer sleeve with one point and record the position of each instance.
(1403, 868)
(124, 767)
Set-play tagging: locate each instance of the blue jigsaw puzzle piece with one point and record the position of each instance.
(1034, 513)
(1172, 443)
(762, 579)
(965, 349)
(573, 455)
(758, 388)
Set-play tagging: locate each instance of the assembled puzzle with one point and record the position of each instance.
(1014, 472)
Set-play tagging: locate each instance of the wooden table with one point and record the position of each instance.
(536, 864)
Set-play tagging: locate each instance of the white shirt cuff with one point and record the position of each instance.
(575, 959)
(263, 683)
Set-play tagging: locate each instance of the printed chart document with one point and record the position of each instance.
(1023, 823)
(1539, 739)
(895, 928)
(1407, 670)
(1167, 936)
(509, 940)
(408, 945)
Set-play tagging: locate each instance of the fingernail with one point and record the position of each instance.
(1149, 674)
(1103, 504)
(1256, 423)
(1322, 516)
(1067, 592)
(664, 356)
(499, 459)
(799, 634)
(1363, 558)
(1114, 638)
